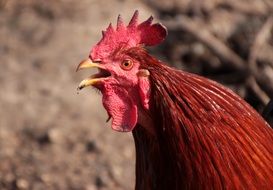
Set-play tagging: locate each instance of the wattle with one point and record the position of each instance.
(121, 108)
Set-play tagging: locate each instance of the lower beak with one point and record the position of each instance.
(90, 80)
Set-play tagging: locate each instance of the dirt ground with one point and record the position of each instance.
(53, 138)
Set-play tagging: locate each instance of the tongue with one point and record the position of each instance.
(122, 110)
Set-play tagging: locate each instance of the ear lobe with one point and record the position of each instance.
(144, 87)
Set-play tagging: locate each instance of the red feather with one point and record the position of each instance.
(206, 136)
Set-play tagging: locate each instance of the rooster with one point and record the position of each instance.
(189, 132)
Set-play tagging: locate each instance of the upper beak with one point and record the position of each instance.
(90, 80)
(85, 64)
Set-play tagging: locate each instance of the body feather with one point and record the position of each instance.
(206, 136)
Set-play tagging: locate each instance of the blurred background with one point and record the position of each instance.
(53, 138)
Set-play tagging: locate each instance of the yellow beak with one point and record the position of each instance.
(85, 64)
(90, 80)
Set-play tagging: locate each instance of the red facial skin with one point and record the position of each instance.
(125, 94)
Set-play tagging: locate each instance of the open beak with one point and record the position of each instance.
(92, 80)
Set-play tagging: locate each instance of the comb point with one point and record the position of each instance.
(147, 22)
(110, 28)
(134, 19)
(120, 23)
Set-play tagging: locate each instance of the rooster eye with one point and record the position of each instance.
(127, 64)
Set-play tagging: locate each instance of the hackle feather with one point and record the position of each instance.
(207, 137)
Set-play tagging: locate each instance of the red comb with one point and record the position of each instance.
(134, 34)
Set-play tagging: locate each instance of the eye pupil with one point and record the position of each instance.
(126, 64)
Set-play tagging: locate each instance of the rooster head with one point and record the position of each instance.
(124, 85)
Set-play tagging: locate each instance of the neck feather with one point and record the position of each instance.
(205, 135)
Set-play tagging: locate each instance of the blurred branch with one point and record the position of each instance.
(205, 37)
(259, 41)
(246, 8)
(252, 83)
